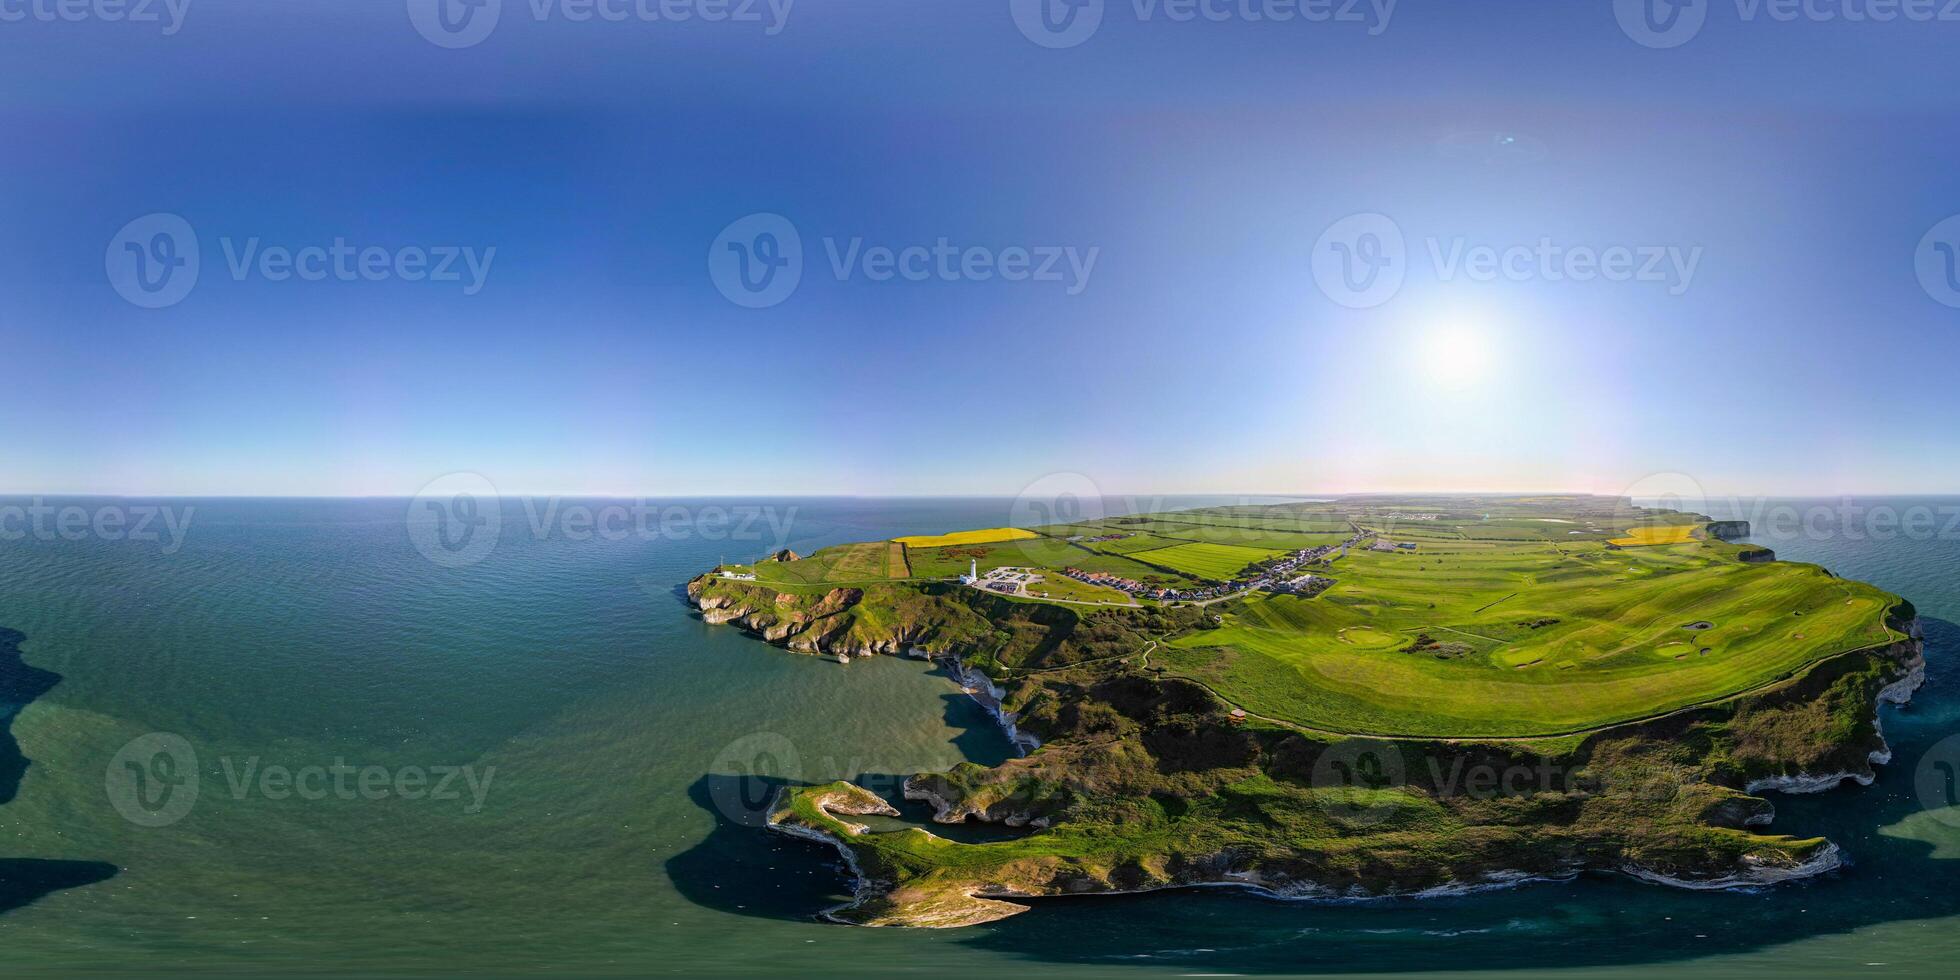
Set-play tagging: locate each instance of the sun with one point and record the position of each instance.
(1456, 354)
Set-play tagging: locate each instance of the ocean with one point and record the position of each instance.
(322, 735)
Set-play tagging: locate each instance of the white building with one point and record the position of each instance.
(973, 575)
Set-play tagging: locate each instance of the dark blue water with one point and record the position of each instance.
(611, 727)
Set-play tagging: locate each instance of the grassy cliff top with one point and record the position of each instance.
(1490, 688)
(1450, 618)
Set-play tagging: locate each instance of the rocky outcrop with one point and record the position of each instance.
(876, 898)
(1903, 672)
(806, 624)
(988, 695)
(1752, 872)
(1728, 530)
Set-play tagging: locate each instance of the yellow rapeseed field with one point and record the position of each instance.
(1660, 534)
(991, 535)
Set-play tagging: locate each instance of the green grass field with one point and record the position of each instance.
(1216, 562)
(1526, 638)
(849, 564)
(1063, 587)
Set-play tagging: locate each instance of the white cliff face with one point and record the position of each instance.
(981, 688)
(1753, 874)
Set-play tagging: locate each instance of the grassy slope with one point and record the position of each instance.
(1617, 651)
(1217, 562)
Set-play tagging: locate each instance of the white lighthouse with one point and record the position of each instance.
(972, 575)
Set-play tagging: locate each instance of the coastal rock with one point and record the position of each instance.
(1728, 530)
(1752, 872)
(1904, 672)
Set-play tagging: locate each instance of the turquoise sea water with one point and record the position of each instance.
(606, 728)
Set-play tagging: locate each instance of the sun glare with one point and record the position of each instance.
(1456, 354)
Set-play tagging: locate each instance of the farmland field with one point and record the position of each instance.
(1152, 531)
(844, 564)
(1659, 534)
(1134, 543)
(1216, 562)
(990, 535)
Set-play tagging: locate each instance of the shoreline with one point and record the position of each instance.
(891, 896)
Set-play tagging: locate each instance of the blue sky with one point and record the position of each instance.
(1796, 167)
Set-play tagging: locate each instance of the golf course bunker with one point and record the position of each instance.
(1699, 626)
(1674, 649)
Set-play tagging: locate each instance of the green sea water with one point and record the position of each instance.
(609, 827)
